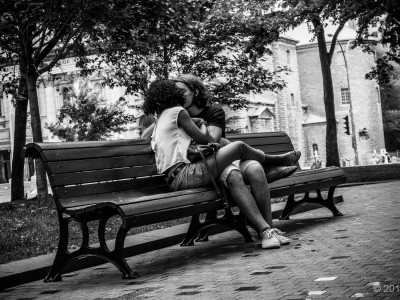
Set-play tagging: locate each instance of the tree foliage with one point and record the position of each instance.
(384, 15)
(88, 117)
(35, 36)
(317, 14)
(203, 37)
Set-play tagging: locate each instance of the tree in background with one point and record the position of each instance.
(385, 15)
(88, 117)
(36, 35)
(279, 16)
(204, 37)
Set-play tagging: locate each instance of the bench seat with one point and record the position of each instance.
(98, 180)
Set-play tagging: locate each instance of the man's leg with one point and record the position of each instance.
(245, 200)
(249, 207)
(255, 176)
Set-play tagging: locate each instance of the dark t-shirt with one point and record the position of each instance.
(214, 115)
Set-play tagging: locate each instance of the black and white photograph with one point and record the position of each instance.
(199, 149)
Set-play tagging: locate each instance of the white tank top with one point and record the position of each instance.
(169, 142)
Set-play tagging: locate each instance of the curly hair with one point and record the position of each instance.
(162, 94)
(194, 83)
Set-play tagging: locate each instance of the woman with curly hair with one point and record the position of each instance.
(170, 140)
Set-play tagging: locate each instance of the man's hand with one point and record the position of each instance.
(199, 121)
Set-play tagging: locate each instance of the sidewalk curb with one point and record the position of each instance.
(36, 268)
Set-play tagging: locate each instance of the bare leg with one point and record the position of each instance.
(284, 159)
(245, 200)
(255, 176)
(234, 151)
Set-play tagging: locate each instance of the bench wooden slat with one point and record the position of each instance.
(103, 175)
(102, 163)
(132, 208)
(105, 187)
(310, 186)
(275, 149)
(38, 147)
(175, 213)
(135, 196)
(308, 176)
(84, 153)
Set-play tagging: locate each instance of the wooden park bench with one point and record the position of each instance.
(98, 180)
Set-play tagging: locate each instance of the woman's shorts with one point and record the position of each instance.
(191, 176)
(236, 165)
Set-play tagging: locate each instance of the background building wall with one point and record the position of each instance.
(364, 95)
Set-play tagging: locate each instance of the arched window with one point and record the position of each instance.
(98, 88)
(65, 96)
(315, 149)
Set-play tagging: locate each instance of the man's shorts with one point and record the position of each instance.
(236, 165)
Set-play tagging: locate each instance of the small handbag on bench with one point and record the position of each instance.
(194, 150)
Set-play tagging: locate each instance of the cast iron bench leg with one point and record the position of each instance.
(329, 203)
(203, 235)
(62, 255)
(118, 258)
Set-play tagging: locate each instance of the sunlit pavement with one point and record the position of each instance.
(29, 191)
(356, 256)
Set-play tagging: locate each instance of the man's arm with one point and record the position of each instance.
(215, 133)
(148, 131)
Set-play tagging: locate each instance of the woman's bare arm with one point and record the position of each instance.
(200, 135)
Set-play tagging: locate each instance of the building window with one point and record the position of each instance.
(292, 101)
(287, 57)
(65, 96)
(98, 88)
(345, 96)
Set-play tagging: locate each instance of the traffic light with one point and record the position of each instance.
(346, 125)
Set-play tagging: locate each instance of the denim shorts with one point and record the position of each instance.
(191, 176)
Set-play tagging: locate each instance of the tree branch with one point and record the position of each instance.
(334, 39)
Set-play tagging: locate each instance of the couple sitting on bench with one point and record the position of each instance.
(183, 114)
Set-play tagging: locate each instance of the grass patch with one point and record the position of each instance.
(29, 228)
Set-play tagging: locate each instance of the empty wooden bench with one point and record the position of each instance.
(98, 180)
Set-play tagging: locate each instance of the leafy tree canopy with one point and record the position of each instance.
(384, 14)
(203, 37)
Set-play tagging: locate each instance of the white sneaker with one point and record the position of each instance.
(283, 240)
(269, 239)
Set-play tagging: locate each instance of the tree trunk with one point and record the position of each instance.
(332, 151)
(17, 174)
(41, 180)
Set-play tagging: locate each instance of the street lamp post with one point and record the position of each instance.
(353, 136)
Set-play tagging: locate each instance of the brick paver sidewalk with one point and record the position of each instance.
(349, 257)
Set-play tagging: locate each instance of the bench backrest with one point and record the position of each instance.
(77, 169)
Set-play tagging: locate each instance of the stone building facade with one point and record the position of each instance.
(364, 94)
